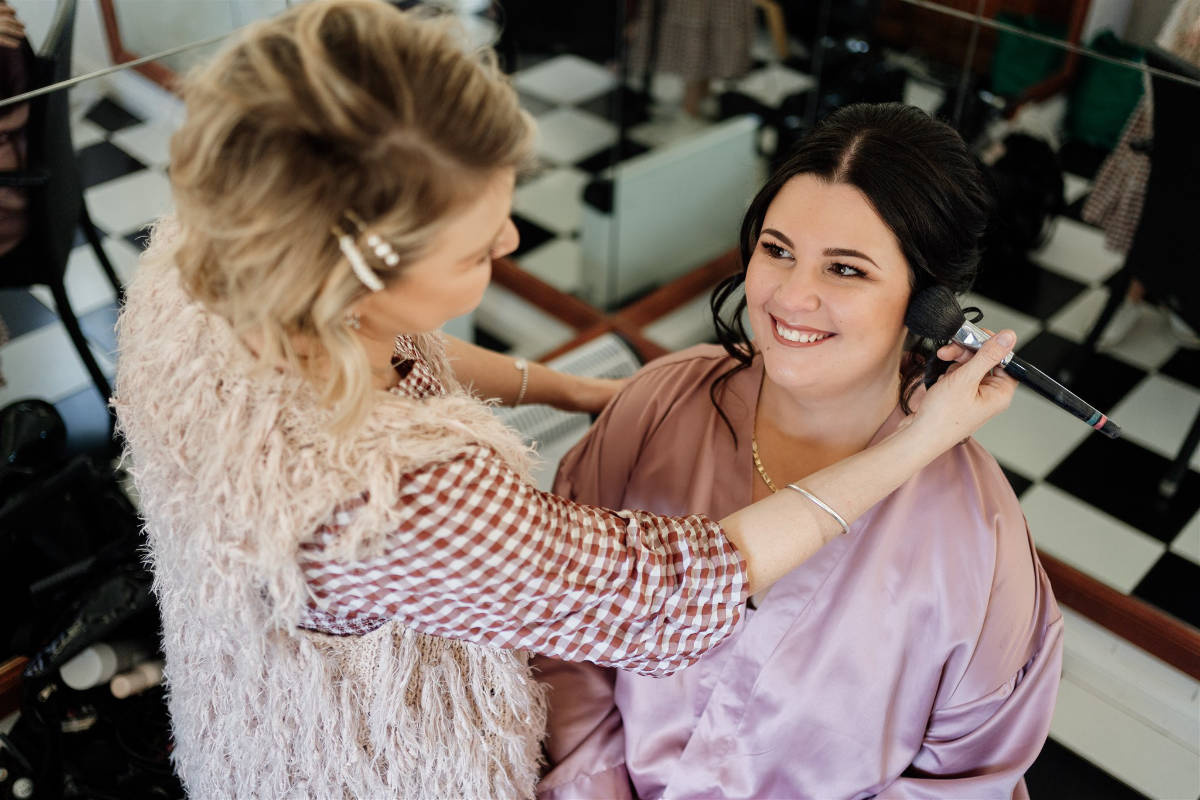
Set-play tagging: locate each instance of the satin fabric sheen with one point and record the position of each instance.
(917, 657)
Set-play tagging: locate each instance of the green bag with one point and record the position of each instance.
(1104, 94)
(1019, 62)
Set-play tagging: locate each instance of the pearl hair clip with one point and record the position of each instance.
(382, 249)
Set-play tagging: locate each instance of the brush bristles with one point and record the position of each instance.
(934, 313)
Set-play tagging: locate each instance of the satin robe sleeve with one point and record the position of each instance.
(585, 742)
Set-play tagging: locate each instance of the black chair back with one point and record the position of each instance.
(1163, 254)
(53, 207)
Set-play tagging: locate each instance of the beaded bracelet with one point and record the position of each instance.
(522, 365)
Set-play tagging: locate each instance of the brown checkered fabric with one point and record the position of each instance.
(481, 555)
(416, 378)
(626, 589)
(697, 39)
(1115, 204)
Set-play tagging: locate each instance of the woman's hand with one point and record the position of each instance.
(969, 394)
(11, 29)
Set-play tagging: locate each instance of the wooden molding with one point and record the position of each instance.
(162, 75)
(10, 684)
(558, 304)
(1138, 622)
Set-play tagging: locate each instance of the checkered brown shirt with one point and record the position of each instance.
(481, 555)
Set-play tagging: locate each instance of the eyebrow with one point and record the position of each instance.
(829, 251)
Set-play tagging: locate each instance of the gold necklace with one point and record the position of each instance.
(758, 465)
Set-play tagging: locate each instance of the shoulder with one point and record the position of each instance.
(699, 359)
(667, 385)
(682, 371)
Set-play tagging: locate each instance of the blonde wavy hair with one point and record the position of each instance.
(333, 105)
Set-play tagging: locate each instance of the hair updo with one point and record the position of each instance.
(329, 107)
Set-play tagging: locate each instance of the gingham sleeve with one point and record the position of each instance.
(483, 556)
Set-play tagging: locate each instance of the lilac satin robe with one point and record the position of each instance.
(917, 657)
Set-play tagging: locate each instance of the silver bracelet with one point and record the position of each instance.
(821, 504)
(522, 365)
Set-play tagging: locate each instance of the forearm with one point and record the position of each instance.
(495, 375)
(777, 534)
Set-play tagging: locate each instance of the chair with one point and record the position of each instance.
(1163, 255)
(56, 206)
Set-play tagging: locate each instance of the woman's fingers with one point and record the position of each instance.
(969, 394)
(994, 351)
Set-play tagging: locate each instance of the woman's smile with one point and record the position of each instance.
(798, 335)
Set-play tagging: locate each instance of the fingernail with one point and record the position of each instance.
(1007, 338)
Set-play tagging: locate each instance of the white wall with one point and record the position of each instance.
(1146, 19)
(150, 26)
(91, 48)
(147, 26)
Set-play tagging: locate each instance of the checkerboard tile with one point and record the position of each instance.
(130, 201)
(774, 82)
(553, 199)
(567, 135)
(566, 80)
(559, 263)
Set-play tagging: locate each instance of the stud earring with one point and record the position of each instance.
(353, 321)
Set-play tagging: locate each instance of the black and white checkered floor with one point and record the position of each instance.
(1090, 501)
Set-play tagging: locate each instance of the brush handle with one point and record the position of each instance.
(972, 337)
(1060, 395)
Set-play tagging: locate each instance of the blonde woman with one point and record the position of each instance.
(349, 560)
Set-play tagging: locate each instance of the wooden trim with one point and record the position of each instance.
(558, 304)
(10, 684)
(162, 75)
(1134, 620)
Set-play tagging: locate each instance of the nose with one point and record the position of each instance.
(799, 291)
(508, 241)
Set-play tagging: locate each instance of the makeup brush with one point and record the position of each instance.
(934, 313)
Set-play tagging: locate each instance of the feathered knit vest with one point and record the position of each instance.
(235, 469)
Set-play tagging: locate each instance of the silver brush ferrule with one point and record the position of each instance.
(972, 337)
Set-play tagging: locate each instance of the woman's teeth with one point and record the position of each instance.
(798, 336)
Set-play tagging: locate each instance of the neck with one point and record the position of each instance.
(837, 425)
(379, 356)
